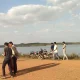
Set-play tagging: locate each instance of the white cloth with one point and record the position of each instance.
(13, 52)
(55, 49)
(64, 49)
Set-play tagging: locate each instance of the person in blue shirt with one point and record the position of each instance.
(52, 46)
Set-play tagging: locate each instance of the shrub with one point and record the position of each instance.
(73, 56)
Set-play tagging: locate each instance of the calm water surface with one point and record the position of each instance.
(26, 50)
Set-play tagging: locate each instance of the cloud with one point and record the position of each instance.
(28, 14)
(66, 5)
(16, 32)
(43, 31)
(60, 2)
(28, 22)
(38, 33)
(33, 14)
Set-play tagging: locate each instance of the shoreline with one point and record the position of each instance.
(41, 44)
(27, 56)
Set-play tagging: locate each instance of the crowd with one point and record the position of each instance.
(54, 50)
(11, 55)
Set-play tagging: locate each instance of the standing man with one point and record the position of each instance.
(7, 59)
(56, 51)
(14, 56)
(64, 51)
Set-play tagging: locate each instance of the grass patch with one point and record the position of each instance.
(72, 56)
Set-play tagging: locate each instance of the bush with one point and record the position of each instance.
(73, 56)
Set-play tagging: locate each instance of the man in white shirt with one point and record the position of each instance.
(64, 51)
(56, 51)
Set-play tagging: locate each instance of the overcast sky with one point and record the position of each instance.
(27, 21)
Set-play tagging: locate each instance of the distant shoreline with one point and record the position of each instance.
(41, 44)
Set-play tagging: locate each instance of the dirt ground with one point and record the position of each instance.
(34, 69)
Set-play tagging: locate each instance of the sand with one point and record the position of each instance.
(34, 69)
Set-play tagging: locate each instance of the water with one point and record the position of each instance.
(27, 50)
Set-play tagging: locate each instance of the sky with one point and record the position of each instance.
(29, 21)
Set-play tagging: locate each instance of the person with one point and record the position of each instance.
(52, 49)
(52, 46)
(64, 51)
(56, 51)
(41, 53)
(7, 60)
(14, 57)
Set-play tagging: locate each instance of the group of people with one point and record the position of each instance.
(54, 50)
(11, 55)
(10, 58)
